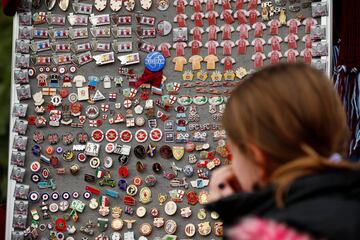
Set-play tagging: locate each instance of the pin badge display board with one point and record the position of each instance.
(185, 108)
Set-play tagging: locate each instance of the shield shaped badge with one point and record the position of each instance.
(178, 152)
(100, 5)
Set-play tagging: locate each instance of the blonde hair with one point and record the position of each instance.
(294, 115)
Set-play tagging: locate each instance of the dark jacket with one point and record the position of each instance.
(325, 205)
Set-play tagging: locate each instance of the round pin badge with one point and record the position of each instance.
(66, 195)
(140, 121)
(150, 180)
(31, 72)
(94, 162)
(73, 69)
(56, 100)
(164, 28)
(155, 134)
(166, 152)
(117, 224)
(192, 197)
(170, 226)
(125, 136)
(62, 70)
(45, 196)
(137, 181)
(97, 135)
(54, 69)
(47, 69)
(201, 215)
(204, 228)
(127, 103)
(155, 61)
(170, 208)
(108, 162)
(190, 230)
(123, 171)
(35, 178)
(110, 147)
(34, 196)
(140, 151)
(35, 166)
(131, 190)
(111, 135)
(72, 97)
(63, 206)
(154, 212)
(92, 111)
(145, 229)
(53, 207)
(81, 157)
(141, 211)
(87, 195)
(141, 135)
(55, 196)
(75, 195)
(162, 5)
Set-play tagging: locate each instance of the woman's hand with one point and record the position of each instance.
(223, 183)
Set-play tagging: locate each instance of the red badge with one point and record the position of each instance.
(109, 148)
(126, 136)
(192, 198)
(111, 135)
(137, 181)
(141, 135)
(97, 135)
(155, 134)
(128, 200)
(123, 171)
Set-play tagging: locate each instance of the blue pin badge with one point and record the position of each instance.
(155, 61)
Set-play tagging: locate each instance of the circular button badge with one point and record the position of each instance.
(155, 134)
(110, 147)
(170, 208)
(155, 61)
(164, 28)
(170, 226)
(111, 135)
(97, 135)
(190, 230)
(94, 162)
(145, 229)
(141, 211)
(162, 5)
(125, 136)
(141, 135)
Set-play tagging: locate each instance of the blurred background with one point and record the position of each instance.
(5, 80)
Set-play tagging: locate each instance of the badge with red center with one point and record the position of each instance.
(111, 135)
(81, 157)
(97, 135)
(35, 166)
(123, 171)
(125, 136)
(110, 147)
(141, 135)
(137, 181)
(192, 197)
(155, 134)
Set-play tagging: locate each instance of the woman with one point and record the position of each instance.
(286, 132)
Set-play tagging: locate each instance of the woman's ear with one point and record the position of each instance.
(259, 157)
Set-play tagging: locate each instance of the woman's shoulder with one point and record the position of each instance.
(254, 228)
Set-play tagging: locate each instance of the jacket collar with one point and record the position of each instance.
(260, 202)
